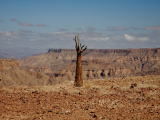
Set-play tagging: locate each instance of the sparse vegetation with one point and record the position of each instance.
(80, 50)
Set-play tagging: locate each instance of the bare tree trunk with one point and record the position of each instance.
(79, 76)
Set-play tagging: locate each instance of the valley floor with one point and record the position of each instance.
(111, 99)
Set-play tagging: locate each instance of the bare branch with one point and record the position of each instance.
(85, 48)
(74, 39)
(82, 47)
(78, 40)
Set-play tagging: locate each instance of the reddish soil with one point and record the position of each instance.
(109, 99)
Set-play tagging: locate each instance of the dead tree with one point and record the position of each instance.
(79, 49)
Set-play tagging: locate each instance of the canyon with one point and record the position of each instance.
(60, 64)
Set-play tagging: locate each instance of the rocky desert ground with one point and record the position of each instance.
(124, 98)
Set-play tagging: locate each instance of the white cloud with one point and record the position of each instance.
(128, 37)
(63, 39)
(132, 38)
(84, 35)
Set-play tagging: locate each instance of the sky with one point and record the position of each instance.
(102, 24)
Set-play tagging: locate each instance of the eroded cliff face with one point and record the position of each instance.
(40, 69)
(7, 64)
(92, 69)
(141, 60)
(12, 74)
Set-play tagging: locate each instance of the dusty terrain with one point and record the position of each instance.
(110, 99)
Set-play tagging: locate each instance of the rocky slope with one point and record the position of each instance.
(11, 74)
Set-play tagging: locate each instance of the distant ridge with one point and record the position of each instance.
(111, 50)
(20, 53)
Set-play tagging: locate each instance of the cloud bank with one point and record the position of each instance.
(90, 37)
